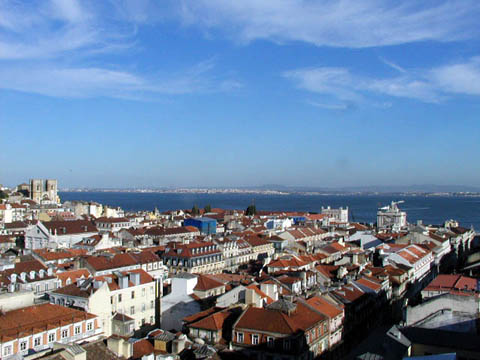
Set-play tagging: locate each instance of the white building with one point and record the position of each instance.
(391, 217)
(337, 215)
(6, 213)
(415, 257)
(132, 293)
(179, 303)
(58, 234)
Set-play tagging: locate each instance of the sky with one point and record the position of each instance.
(326, 93)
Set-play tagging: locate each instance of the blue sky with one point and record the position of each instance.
(231, 93)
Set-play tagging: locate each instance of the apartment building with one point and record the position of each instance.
(292, 330)
(201, 257)
(133, 293)
(34, 329)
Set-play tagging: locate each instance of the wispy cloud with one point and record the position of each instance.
(47, 30)
(393, 65)
(49, 47)
(78, 82)
(339, 23)
(328, 106)
(431, 86)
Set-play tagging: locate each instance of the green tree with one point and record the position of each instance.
(3, 195)
(207, 208)
(251, 210)
(195, 210)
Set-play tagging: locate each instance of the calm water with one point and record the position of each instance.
(432, 210)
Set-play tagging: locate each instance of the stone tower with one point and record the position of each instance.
(36, 189)
(44, 190)
(51, 189)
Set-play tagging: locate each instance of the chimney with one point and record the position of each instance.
(178, 344)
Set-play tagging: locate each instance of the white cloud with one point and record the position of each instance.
(432, 86)
(95, 82)
(51, 29)
(339, 23)
(393, 65)
(463, 78)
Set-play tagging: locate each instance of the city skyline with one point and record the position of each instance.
(222, 93)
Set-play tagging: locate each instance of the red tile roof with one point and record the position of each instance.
(141, 348)
(211, 322)
(276, 321)
(70, 227)
(34, 319)
(205, 282)
(325, 307)
(444, 282)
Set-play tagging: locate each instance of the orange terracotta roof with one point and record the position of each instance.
(37, 318)
(205, 282)
(141, 348)
(212, 322)
(325, 307)
(276, 321)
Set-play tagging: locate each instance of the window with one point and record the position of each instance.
(77, 330)
(36, 341)
(133, 294)
(324, 328)
(143, 307)
(132, 310)
(270, 341)
(119, 297)
(307, 337)
(143, 292)
(64, 333)
(7, 350)
(152, 304)
(51, 337)
(143, 321)
(255, 339)
(23, 345)
(89, 326)
(239, 337)
(152, 320)
(111, 299)
(151, 289)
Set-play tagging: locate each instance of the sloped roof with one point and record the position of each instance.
(205, 283)
(276, 321)
(211, 322)
(70, 227)
(325, 307)
(37, 318)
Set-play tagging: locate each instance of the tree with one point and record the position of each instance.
(251, 210)
(195, 210)
(207, 208)
(3, 195)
